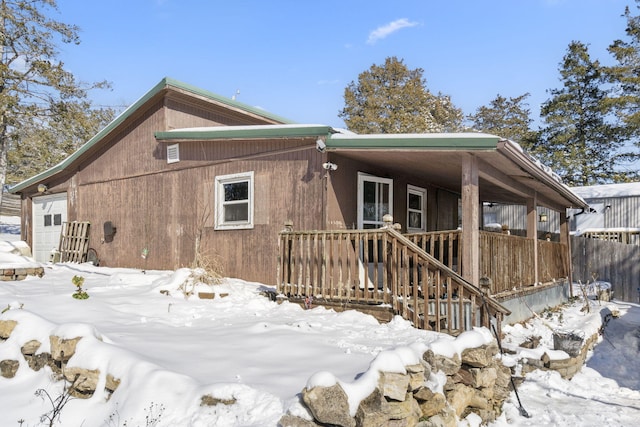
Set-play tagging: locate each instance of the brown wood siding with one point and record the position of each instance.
(161, 212)
(442, 206)
(185, 113)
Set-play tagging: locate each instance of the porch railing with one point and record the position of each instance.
(382, 267)
(507, 260)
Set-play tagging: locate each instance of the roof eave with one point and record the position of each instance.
(244, 132)
(459, 141)
(523, 160)
(162, 85)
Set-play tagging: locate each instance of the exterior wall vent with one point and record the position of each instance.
(173, 153)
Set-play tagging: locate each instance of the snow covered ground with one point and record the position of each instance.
(169, 351)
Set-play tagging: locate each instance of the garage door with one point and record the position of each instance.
(49, 212)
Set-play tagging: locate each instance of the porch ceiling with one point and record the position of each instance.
(503, 178)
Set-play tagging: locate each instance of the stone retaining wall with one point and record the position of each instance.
(566, 367)
(476, 381)
(82, 382)
(11, 274)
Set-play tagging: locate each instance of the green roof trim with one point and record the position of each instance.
(245, 132)
(427, 141)
(164, 83)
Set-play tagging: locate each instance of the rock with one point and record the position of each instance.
(62, 348)
(394, 386)
(462, 397)
(83, 381)
(6, 327)
(208, 400)
(463, 376)
(446, 418)
(479, 357)
(376, 411)
(430, 403)
(417, 375)
(8, 368)
(442, 363)
(39, 361)
(289, 420)
(531, 342)
(329, 405)
(483, 377)
(30, 347)
(112, 384)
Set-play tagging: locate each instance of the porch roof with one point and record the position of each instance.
(507, 174)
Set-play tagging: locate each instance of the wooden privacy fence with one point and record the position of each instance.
(609, 261)
(382, 267)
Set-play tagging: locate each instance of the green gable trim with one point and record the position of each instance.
(245, 132)
(454, 141)
(164, 83)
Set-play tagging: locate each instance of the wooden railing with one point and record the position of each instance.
(630, 236)
(382, 267)
(442, 245)
(507, 260)
(553, 261)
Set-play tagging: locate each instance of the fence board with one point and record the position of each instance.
(609, 261)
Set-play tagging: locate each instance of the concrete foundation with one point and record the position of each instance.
(524, 302)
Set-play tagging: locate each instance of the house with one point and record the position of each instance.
(614, 212)
(383, 221)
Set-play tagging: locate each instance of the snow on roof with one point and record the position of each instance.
(245, 127)
(608, 190)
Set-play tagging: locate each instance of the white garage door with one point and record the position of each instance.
(49, 212)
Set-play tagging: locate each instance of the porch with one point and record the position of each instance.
(414, 275)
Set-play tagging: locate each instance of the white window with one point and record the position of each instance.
(234, 201)
(173, 153)
(375, 199)
(416, 209)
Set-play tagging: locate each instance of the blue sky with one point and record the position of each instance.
(294, 58)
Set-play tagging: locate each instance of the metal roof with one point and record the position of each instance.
(244, 132)
(423, 141)
(507, 172)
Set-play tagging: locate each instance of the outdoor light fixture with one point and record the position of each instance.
(330, 166)
(42, 188)
(544, 217)
(320, 145)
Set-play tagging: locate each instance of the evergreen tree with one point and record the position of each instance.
(579, 139)
(391, 98)
(34, 85)
(508, 118)
(625, 77)
(40, 144)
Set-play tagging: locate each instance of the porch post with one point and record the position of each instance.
(566, 240)
(470, 220)
(532, 232)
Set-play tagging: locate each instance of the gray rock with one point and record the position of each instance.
(6, 327)
(8, 368)
(394, 386)
(329, 405)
